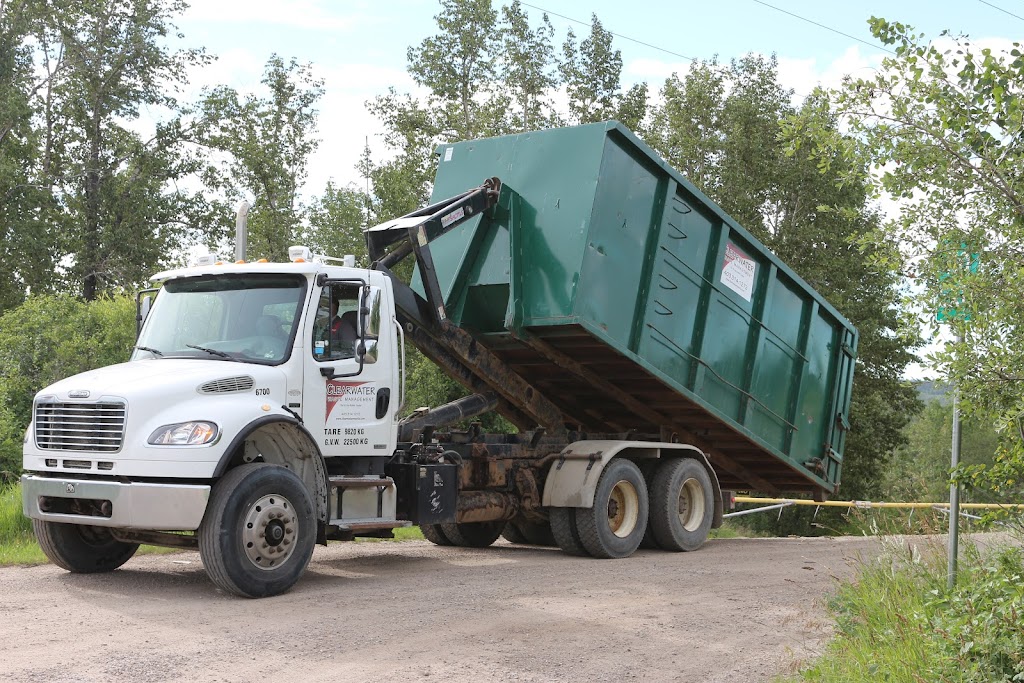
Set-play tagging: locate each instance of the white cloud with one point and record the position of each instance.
(305, 14)
(365, 77)
(654, 71)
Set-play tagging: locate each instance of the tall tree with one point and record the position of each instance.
(89, 202)
(528, 68)
(686, 127)
(113, 60)
(268, 140)
(942, 120)
(23, 235)
(592, 73)
(336, 222)
(458, 65)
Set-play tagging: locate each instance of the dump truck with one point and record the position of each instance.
(650, 352)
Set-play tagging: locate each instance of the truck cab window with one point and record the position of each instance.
(248, 318)
(337, 330)
(337, 323)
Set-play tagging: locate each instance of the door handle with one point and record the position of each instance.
(383, 400)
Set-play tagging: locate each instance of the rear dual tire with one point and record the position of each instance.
(616, 523)
(682, 504)
(529, 533)
(671, 508)
(465, 535)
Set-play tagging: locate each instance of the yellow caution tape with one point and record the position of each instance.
(865, 504)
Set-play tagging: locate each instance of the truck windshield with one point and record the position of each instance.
(248, 318)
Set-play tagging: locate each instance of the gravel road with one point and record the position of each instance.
(738, 609)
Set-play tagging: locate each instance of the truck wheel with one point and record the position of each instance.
(434, 534)
(529, 533)
(82, 549)
(563, 528)
(513, 534)
(648, 468)
(615, 525)
(682, 504)
(473, 534)
(537, 533)
(258, 532)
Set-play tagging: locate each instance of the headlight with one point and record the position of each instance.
(184, 434)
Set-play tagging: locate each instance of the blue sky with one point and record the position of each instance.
(359, 46)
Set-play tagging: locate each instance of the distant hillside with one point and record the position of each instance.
(934, 391)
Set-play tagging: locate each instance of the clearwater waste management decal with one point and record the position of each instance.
(350, 401)
(738, 271)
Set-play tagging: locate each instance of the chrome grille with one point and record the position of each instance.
(97, 427)
(227, 385)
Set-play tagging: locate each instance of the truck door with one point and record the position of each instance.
(350, 396)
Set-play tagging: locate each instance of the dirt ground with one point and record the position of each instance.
(736, 610)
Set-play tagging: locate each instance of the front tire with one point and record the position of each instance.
(82, 549)
(682, 504)
(259, 530)
(615, 525)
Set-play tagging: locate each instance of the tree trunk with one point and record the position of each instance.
(91, 237)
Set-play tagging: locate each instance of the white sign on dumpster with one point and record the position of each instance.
(738, 271)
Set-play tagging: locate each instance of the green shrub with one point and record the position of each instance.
(46, 339)
(898, 622)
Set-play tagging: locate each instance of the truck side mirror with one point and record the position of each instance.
(143, 304)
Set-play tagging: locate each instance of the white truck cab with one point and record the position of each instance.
(290, 372)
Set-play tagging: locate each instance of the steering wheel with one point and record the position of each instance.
(266, 347)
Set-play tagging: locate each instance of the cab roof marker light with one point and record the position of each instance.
(299, 254)
(349, 261)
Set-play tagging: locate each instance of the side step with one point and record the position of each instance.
(364, 504)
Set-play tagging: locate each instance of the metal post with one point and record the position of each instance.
(241, 230)
(954, 488)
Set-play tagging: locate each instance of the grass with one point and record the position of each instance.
(734, 529)
(407, 533)
(897, 622)
(17, 543)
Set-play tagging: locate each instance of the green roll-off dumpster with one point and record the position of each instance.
(682, 321)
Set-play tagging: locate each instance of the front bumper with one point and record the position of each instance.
(137, 505)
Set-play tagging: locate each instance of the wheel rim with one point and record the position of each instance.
(691, 504)
(623, 509)
(269, 532)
